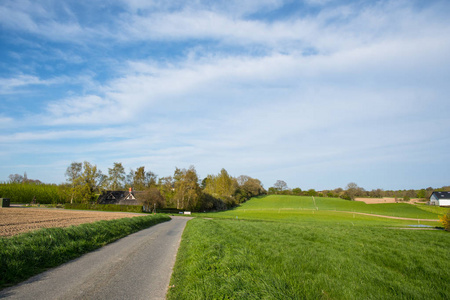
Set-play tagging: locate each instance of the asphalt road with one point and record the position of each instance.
(138, 266)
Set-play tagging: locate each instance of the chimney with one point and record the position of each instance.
(130, 190)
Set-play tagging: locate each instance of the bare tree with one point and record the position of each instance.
(280, 186)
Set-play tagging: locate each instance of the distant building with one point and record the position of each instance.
(121, 197)
(440, 198)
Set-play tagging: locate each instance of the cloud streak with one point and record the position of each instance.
(332, 88)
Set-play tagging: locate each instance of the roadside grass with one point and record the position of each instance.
(238, 259)
(280, 248)
(28, 254)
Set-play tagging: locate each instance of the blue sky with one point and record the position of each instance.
(317, 93)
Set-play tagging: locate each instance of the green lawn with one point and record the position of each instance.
(281, 248)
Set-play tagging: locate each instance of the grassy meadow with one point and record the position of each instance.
(288, 247)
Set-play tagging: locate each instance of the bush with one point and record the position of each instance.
(26, 192)
(445, 219)
(104, 207)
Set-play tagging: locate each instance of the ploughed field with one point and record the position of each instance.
(14, 220)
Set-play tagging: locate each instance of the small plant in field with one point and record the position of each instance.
(445, 219)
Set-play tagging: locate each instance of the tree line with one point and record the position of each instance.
(352, 191)
(183, 190)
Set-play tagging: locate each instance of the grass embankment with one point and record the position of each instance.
(104, 207)
(295, 254)
(28, 254)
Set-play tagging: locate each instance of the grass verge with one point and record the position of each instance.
(28, 254)
(104, 207)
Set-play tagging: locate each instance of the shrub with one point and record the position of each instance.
(104, 207)
(445, 219)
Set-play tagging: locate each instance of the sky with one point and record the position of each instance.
(318, 93)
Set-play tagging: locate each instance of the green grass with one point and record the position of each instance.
(292, 203)
(28, 254)
(104, 207)
(280, 248)
(434, 209)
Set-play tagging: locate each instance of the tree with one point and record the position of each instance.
(152, 199)
(139, 179)
(85, 180)
(142, 179)
(221, 186)
(422, 194)
(116, 176)
(297, 191)
(73, 174)
(311, 192)
(150, 179)
(167, 188)
(187, 190)
(250, 188)
(92, 179)
(280, 186)
(15, 178)
(352, 190)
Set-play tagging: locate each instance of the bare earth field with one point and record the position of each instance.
(383, 200)
(14, 220)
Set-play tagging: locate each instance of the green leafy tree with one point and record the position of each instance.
(73, 174)
(142, 179)
(311, 192)
(139, 179)
(187, 190)
(297, 191)
(222, 186)
(167, 188)
(85, 180)
(116, 177)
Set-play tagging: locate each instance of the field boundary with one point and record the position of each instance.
(388, 217)
(341, 211)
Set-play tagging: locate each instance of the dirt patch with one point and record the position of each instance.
(385, 200)
(15, 220)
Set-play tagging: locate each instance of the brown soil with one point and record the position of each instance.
(15, 220)
(384, 200)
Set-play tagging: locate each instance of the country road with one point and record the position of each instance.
(138, 266)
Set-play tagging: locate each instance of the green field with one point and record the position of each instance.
(287, 247)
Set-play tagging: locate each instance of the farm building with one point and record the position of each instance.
(120, 197)
(440, 198)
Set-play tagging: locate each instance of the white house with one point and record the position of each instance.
(440, 198)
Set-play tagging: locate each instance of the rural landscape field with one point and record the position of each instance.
(291, 247)
(20, 220)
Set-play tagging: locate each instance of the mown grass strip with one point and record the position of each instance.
(239, 259)
(28, 254)
(104, 207)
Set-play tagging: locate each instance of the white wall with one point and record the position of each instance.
(444, 202)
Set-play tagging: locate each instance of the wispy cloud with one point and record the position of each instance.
(339, 87)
